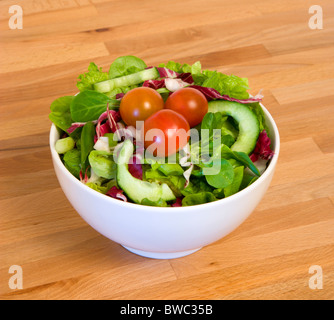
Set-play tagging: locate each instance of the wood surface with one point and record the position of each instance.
(270, 42)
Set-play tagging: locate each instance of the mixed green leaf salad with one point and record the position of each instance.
(209, 137)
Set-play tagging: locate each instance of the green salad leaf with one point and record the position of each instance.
(102, 187)
(226, 153)
(60, 113)
(225, 174)
(89, 105)
(125, 65)
(86, 142)
(256, 108)
(195, 70)
(94, 75)
(247, 180)
(72, 162)
(232, 85)
(175, 182)
(159, 203)
(196, 185)
(198, 198)
(234, 187)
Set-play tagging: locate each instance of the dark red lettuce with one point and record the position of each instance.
(262, 149)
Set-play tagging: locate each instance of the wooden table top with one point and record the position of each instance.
(271, 255)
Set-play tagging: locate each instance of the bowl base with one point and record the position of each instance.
(161, 255)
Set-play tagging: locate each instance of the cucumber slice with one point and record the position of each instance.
(126, 81)
(249, 128)
(136, 189)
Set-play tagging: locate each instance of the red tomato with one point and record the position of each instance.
(140, 103)
(189, 102)
(166, 132)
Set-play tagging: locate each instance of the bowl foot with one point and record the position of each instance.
(161, 255)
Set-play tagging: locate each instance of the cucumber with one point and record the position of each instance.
(249, 128)
(126, 81)
(136, 189)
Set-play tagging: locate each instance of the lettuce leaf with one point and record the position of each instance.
(198, 198)
(93, 75)
(159, 203)
(234, 187)
(60, 113)
(256, 108)
(102, 188)
(232, 86)
(125, 65)
(197, 185)
(72, 161)
(195, 70)
(176, 183)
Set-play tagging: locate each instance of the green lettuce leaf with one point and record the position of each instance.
(159, 203)
(233, 86)
(102, 188)
(198, 198)
(72, 161)
(256, 108)
(60, 113)
(86, 142)
(234, 187)
(88, 105)
(94, 75)
(195, 70)
(224, 177)
(176, 182)
(196, 185)
(224, 152)
(125, 65)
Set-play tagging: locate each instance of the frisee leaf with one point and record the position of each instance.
(94, 75)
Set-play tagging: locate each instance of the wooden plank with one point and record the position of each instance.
(265, 279)
(35, 55)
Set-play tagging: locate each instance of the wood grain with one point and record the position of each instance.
(269, 255)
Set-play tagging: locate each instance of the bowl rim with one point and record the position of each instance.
(130, 205)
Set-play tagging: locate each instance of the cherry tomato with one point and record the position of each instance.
(189, 102)
(140, 103)
(166, 132)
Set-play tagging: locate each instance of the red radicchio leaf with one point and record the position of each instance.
(135, 168)
(74, 126)
(154, 84)
(262, 149)
(113, 118)
(83, 179)
(172, 84)
(119, 96)
(110, 125)
(186, 77)
(167, 73)
(177, 203)
(101, 130)
(211, 94)
(116, 193)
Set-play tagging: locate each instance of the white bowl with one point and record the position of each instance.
(163, 232)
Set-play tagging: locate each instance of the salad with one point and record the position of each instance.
(169, 135)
